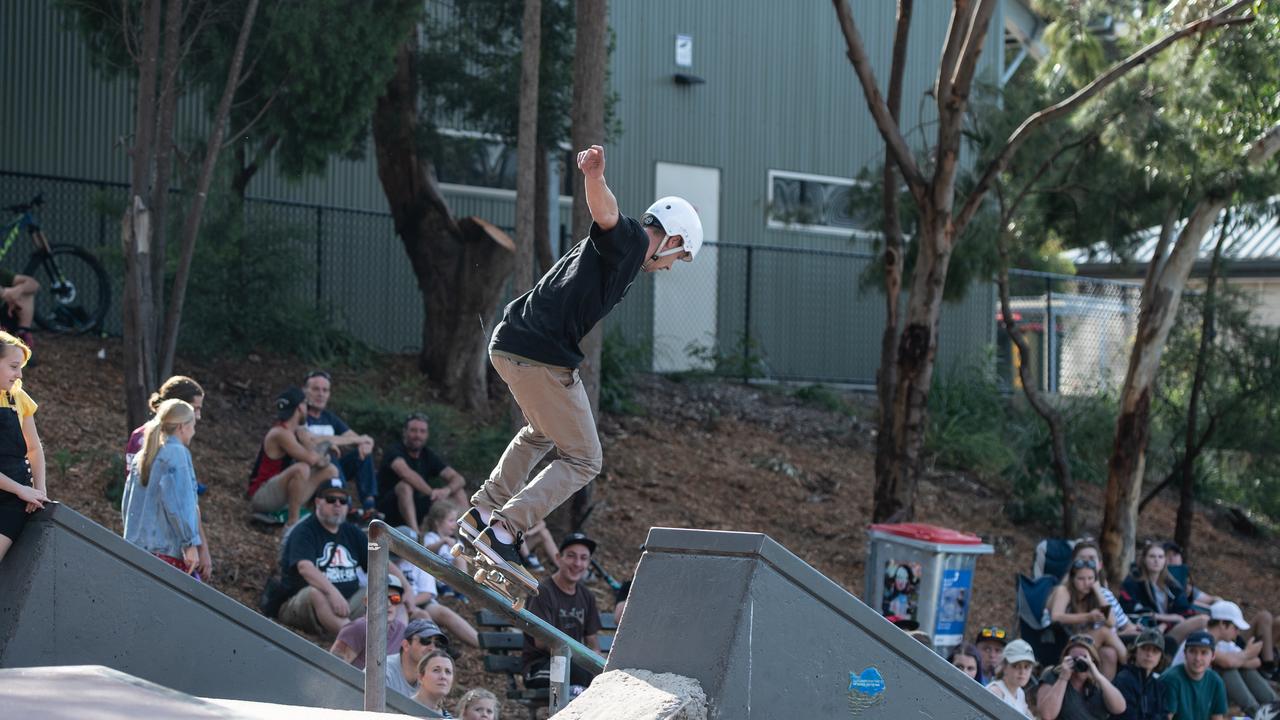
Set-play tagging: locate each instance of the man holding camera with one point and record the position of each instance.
(1077, 689)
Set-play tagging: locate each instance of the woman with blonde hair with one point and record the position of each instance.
(22, 480)
(478, 704)
(435, 682)
(159, 504)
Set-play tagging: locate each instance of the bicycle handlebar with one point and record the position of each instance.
(28, 206)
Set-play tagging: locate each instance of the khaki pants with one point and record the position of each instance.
(556, 407)
(298, 611)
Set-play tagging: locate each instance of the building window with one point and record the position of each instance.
(482, 160)
(817, 203)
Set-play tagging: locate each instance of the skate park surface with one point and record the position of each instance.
(762, 633)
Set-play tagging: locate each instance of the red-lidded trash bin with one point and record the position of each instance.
(923, 574)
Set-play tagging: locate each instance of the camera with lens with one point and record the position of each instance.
(1079, 665)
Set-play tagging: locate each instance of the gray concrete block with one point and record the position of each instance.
(638, 695)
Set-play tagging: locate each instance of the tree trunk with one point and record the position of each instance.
(1192, 444)
(461, 266)
(191, 224)
(1128, 454)
(137, 316)
(167, 109)
(527, 160)
(542, 215)
(892, 258)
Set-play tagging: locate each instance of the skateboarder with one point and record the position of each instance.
(535, 350)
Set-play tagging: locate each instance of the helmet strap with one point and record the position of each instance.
(668, 251)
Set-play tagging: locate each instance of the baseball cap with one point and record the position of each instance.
(993, 632)
(578, 539)
(394, 582)
(288, 401)
(425, 629)
(328, 485)
(1227, 610)
(1150, 636)
(1199, 638)
(1019, 651)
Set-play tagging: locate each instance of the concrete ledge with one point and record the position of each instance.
(638, 695)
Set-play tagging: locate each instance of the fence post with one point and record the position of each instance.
(559, 678)
(375, 637)
(319, 253)
(746, 322)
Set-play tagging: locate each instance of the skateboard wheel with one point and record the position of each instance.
(480, 575)
(518, 605)
(456, 550)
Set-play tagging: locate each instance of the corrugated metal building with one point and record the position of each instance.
(749, 108)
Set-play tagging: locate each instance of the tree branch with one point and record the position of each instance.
(968, 63)
(857, 54)
(1221, 18)
(961, 21)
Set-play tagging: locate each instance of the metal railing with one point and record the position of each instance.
(383, 540)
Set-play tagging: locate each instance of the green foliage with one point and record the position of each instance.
(113, 482)
(824, 397)
(620, 360)
(742, 359)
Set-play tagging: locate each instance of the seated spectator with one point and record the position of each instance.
(419, 638)
(159, 502)
(1192, 690)
(1153, 591)
(478, 704)
(620, 600)
(965, 657)
(1076, 689)
(1138, 681)
(564, 602)
(287, 471)
(1088, 550)
(319, 565)
(990, 642)
(353, 451)
(19, 297)
(425, 604)
(1013, 676)
(1262, 623)
(435, 682)
(1246, 687)
(349, 645)
(178, 387)
(22, 471)
(412, 477)
(1078, 606)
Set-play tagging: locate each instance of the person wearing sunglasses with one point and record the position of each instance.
(990, 642)
(319, 565)
(349, 644)
(1078, 606)
(419, 638)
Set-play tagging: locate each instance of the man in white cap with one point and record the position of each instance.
(1238, 667)
(535, 350)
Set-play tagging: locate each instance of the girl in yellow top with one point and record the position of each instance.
(22, 489)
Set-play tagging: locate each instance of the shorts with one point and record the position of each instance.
(272, 495)
(13, 515)
(298, 612)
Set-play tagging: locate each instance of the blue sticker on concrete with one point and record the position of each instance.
(865, 690)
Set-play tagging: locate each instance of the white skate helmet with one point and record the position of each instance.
(676, 217)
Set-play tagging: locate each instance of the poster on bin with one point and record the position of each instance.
(953, 607)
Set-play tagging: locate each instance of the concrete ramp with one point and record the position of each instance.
(767, 636)
(74, 593)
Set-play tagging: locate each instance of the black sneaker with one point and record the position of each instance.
(488, 543)
(470, 524)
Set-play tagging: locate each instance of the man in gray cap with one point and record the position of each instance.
(420, 638)
(1139, 682)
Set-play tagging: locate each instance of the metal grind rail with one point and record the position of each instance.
(383, 540)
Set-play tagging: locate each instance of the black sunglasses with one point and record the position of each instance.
(437, 640)
(336, 499)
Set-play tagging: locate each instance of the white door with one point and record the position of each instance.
(684, 298)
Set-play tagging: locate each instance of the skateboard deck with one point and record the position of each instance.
(494, 574)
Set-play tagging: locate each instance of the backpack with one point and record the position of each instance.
(273, 597)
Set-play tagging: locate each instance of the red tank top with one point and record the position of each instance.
(265, 468)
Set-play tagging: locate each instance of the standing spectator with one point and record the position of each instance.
(178, 387)
(287, 472)
(318, 565)
(349, 645)
(1076, 689)
(1152, 590)
(1013, 676)
(478, 704)
(419, 638)
(1238, 667)
(435, 682)
(1193, 691)
(990, 642)
(965, 657)
(1077, 604)
(159, 502)
(22, 481)
(571, 608)
(354, 451)
(1139, 681)
(412, 477)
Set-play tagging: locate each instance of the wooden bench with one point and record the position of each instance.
(504, 647)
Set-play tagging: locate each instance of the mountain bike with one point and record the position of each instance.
(75, 290)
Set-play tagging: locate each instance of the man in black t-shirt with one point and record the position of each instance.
(571, 608)
(412, 477)
(319, 564)
(535, 350)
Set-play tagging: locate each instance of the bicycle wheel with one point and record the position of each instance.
(75, 290)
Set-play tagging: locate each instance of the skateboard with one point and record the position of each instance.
(494, 574)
